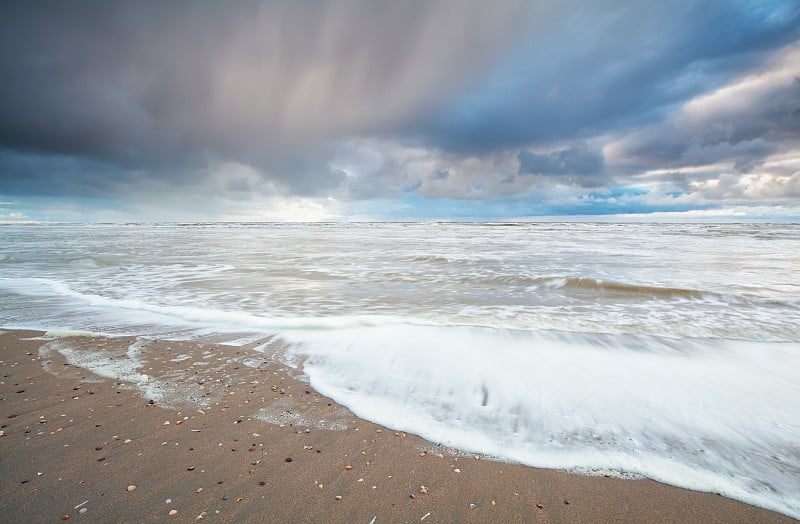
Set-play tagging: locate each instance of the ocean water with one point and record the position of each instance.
(666, 351)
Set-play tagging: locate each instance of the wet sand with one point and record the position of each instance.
(240, 440)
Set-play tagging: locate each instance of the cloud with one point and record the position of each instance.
(185, 109)
(160, 86)
(597, 68)
(578, 165)
(743, 121)
(735, 144)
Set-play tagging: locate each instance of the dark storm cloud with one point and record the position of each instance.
(443, 99)
(155, 87)
(577, 165)
(742, 124)
(612, 65)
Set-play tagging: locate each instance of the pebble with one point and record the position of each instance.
(83, 510)
(199, 490)
(64, 517)
(540, 506)
(131, 487)
(173, 512)
(262, 482)
(472, 505)
(566, 502)
(338, 497)
(423, 490)
(288, 459)
(348, 467)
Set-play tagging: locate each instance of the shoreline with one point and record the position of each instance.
(216, 437)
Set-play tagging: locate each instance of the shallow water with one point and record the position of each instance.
(670, 351)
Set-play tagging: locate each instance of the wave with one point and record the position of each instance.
(594, 285)
(684, 412)
(198, 316)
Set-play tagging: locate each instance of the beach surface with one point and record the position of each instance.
(198, 431)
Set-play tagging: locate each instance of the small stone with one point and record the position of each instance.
(226, 497)
(2, 433)
(131, 488)
(83, 510)
(262, 482)
(566, 502)
(320, 486)
(472, 505)
(412, 496)
(338, 497)
(190, 468)
(457, 470)
(348, 467)
(423, 490)
(173, 512)
(288, 459)
(199, 490)
(64, 517)
(540, 506)
(494, 503)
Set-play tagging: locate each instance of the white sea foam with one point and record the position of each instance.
(106, 364)
(718, 416)
(666, 350)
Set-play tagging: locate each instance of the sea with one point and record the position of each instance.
(668, 351)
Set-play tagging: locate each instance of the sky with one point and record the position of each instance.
(413, 110)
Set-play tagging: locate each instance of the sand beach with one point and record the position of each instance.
(266, 448)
